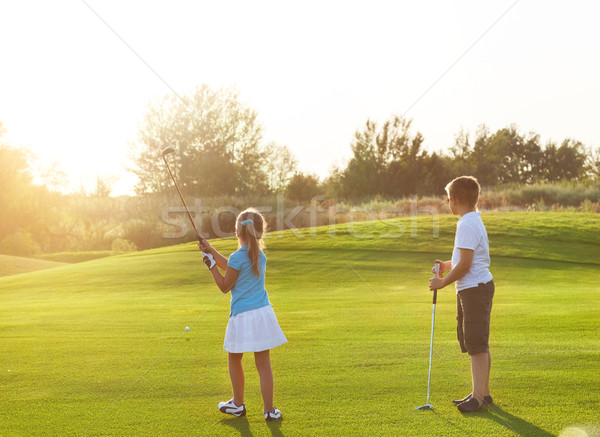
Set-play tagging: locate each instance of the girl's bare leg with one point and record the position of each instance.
(236, 374)
(263, 364)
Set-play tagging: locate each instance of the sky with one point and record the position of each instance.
(74, 92)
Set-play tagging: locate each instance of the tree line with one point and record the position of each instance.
(389, 160)
(221, 155)
(221, 152)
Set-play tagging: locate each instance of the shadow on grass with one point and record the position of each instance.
(240, 424)
(512, 422)
(274, 428)
(463, 430)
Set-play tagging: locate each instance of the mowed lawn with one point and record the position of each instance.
(99, 348)
(13, 265)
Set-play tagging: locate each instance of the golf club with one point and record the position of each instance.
(168, 150)
(428, 406)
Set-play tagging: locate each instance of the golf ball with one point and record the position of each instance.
(187, 328)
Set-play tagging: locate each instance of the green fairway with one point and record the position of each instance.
(99, 348)
(13, 265)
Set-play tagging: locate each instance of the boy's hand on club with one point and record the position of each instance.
(442, 268)
(436, 284)
(208, 260)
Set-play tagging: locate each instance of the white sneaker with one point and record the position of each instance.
(230, 407)
(273, 415)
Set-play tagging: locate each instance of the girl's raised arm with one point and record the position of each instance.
(225, 283)
(205, 246)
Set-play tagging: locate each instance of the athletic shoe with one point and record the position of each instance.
(273, 415)
(486, 400)
(230, 407)
(470, 406)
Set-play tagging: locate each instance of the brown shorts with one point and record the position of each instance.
(473, 307)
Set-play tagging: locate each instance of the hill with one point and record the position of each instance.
(13, 265)
(99, 348)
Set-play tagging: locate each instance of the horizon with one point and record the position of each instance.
(313, 74)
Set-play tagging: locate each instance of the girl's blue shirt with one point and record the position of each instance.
(248, 292)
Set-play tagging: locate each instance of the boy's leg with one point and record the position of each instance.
(477, 306)
(486, 390)
(480, 369)
(460, 333)
(236, 374)
(263, 364)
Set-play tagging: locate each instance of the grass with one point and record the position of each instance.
(99, 348)
(75, 257)
(13, 265)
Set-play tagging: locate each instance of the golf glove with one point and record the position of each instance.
(209, 260)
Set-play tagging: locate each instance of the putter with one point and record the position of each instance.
(428, 406)
(167, 151)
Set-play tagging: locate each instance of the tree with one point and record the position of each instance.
(386, 160)
(505, 156)
(363, 175)
(405, 173)
(104, 186)
(571, 159)
(218, 142)
(15, 195)
(52, 177)
(333, 185)
(567, 162)
(593, 164)
(303, 187)
(462, 153)
(530, 159)
(437, 171)
(280, 166)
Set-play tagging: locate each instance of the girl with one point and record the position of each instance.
(252, 323)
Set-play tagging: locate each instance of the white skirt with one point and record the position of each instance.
(253, 331)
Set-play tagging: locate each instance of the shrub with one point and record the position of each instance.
(21, 243)
(120, 245)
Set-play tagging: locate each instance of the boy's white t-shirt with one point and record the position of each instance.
(471, 234)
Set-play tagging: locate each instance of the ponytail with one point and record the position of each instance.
(251, 226)
(253, 253)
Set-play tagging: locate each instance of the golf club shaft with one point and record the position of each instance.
(431, 345)
(198, 234)
(436, 275)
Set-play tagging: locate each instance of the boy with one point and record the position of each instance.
(469, 269)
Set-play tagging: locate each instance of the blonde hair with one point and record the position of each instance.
(465, 189)
(251, 233)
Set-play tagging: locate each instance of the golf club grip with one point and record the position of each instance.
(436, 274)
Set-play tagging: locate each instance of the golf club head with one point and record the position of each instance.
(425, 407)
(168, 150)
